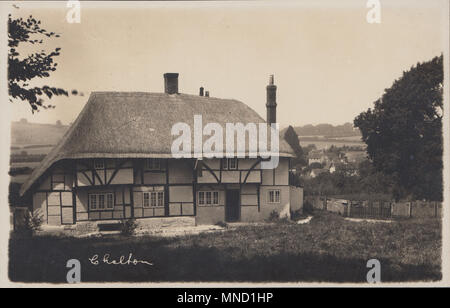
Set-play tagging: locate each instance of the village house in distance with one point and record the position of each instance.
(115, 163)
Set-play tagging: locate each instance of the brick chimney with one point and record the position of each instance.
(171, 83)
(271, 104)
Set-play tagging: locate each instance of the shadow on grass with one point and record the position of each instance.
(44, 260)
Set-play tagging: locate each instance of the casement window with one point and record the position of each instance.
(99, 164)
(153, 199)
(153, 164)
(274, 196)
(229, 164)
(208, 198)
(101, 202)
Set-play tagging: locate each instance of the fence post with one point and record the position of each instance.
(410, 209)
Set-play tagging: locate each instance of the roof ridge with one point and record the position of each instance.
(131, 93)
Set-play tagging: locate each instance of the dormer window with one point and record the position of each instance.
(99, 164)
(229, 164)
(153, 164)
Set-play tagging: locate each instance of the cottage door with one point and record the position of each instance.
(232, 207)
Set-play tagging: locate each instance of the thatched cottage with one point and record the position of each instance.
(115, 162)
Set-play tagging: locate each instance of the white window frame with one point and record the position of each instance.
(274, 196)
(226, 163)
(204, 196)
(153, 164)
(99, 164)
(155, 199)
(107, 206)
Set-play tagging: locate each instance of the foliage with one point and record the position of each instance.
(14, 197)
(19, 170)
(308, 207)
(349, 179)
(315, 166)
(403, 132)
(129, 227)
(309, 148)
(22, 70)
(295, 179)
(28, 158)
(327, 130)
(32, 222)
(222, 224)
(297, 215)
(274, 216)
(291, 138)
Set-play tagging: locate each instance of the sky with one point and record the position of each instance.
(329, 63)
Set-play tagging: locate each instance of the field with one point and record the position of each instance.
(325, 144)
(329, 248)
(30, 150)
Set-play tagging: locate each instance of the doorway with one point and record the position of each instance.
(232, 206)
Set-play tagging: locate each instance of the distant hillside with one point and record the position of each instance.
(25, 133)
(327, 130)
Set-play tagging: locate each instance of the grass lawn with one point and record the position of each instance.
(329, 248)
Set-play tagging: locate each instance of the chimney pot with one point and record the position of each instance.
(201, 91)
(271, 104)
(171, 83)
(207, 93)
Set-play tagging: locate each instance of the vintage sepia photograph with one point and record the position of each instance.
(244, 142)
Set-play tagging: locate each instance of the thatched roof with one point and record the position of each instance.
(138, 125)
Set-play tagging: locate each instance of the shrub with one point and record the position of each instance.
(297, 215)
(308, 208)
(32, 223)
(129, 227)
(274, 216)
(222, 224)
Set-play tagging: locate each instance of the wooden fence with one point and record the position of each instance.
(374, 209)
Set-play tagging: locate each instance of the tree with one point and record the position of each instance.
(315, 166)
(22, 70)
(403, 132)
(291, 138)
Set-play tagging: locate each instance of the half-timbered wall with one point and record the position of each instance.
(122, 204)
(181, 200)
(102, 172)
(62, 195)
(247, 171)
(142, 209)
(275, 180)
(53, 198)
(210, 214)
